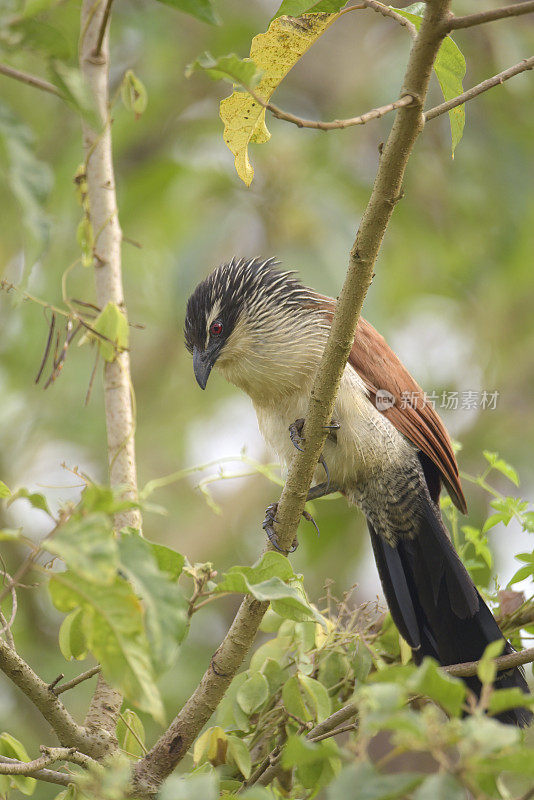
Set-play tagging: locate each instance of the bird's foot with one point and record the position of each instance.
(297, 439)
(295, 434)
(268, 527)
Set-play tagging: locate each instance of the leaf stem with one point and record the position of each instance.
(29, 80)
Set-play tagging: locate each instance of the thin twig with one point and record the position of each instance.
(30, 80)
(92, 378)
(47, 775)
(75, 681)
(527, 63)
(335, 732)
(134, 734)
(503, 662)
(49, 756)
(493, 14)
(55, 682)
(6, 629)
(102, 30)
(336, 124)
(386, 11)
(48, 345)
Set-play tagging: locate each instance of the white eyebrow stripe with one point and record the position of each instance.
(214, 313)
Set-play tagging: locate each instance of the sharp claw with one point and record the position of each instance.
(323, 464)
(271, 535)
(295, 434)
(334, 426)
(268, 527)
(307, 516)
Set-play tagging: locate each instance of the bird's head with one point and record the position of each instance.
(260, 326)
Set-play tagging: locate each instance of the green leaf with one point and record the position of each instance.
(501, 465)
(12, 748)
(492, 521)
(133, 93)
(256, 793)
(316, 763)
(72, 641)
(274, 673)
(131, 734)
(113, 626)
(271, 565)
(88, 547)
(449, 67)
(361, 661)
(105, 499)
(168, 560)
(316, 696)
(201, 9)
(35, 499)
(334, 668)
(486, 736)
(274, 53)
(293, 699)
(4, 491)
(265, 581)
(112, 326)
(286, 600)
(253, 693)
(522, 573)
(33, 7)
(29, 179)
(445, 690)
(43, 38)
(229, 68)
(479, 542)
(486, 669)
(164, 604)
(509, 507)
(440, 787)
(196, 786)
(240, 755)
(501, 699)
(371, 785)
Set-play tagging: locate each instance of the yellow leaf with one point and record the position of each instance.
(211, 746)
(275, 53)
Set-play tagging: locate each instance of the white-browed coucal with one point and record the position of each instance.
(266, 333)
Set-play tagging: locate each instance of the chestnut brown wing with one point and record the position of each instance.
(379, 367)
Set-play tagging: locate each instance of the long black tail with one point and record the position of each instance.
(435, 604)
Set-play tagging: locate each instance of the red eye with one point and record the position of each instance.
(216, 328)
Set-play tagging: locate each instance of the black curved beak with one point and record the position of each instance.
(201, 366)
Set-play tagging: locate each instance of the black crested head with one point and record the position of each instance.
(241, 308)
(231, 288)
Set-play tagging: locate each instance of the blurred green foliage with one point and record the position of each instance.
(452, 291)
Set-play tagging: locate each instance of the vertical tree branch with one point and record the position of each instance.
(387, 190)
(104, 219)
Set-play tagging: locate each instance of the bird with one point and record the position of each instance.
(265, 332)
